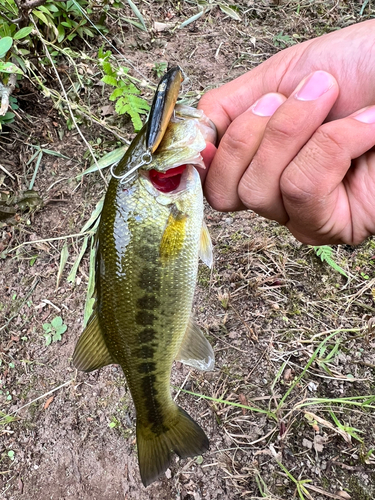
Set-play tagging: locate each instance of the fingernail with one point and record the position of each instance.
(366, 116)
(314, 86)
(267, 104)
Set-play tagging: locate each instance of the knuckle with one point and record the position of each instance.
(221, 201)
(235, 139)
(251, 197)
(296, 189)
(327, 142)
(281, 129)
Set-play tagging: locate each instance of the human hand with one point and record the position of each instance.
(290, 167)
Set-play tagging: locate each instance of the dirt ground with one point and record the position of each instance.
(287, 415)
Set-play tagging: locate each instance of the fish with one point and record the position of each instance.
(150, 236)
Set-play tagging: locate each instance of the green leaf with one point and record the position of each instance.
(47, 327)
(325, 253)
(22, 33)
(5, 45)
(61, 329)
(110, 80)
(51, 7)
(44, 9)
(9, 67)
(42, 17)
(48, 339)
(61, 33)
(20, 61)
(56, 336)
(107, 68)
(116, 93)
(88, 32)
(57, 321)
(7, 118)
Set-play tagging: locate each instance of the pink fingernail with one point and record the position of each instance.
(366, 116)
(314, 86)
(267, 104)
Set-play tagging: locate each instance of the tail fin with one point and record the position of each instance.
(183, 436)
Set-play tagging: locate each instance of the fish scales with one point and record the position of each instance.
(149, 237)
(145, 305)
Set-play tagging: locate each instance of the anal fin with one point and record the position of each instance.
(195, 349)
(91, 351)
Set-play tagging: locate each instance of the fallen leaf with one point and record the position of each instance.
(162, 26)
(107, 110)
(48, 402)
(311, 416)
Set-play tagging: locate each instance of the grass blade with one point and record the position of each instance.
(93, 220)
(72, 275)
(90, 300)
(229, 12)
(192, 19)
(63, 260)
(134, 8)
(39, 159)
(107, 160)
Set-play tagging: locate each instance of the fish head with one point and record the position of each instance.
(170, 170)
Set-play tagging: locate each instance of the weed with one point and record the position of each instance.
(113, 423)
(125, 93)
(159, 69)
(299, 483)
(325, 253)
(6, 419)
(54, 330)
(283, 41)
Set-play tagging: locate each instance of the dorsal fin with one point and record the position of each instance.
(91, 351)
(195, 349)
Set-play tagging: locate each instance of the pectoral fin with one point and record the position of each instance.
(91, 351)
(205, 248)
(174, 235)
(195, 350)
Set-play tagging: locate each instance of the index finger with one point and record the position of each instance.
(224, 104)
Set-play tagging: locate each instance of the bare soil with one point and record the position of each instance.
(267, 306)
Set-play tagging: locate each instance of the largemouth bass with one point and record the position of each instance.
(150, 235)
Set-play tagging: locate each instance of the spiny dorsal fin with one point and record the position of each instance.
(195, 349)
(91, 352)
(205, 246)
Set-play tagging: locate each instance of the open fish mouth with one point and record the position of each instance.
(168, 181)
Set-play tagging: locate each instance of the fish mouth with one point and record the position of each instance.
(173, 181)
(168, 181)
